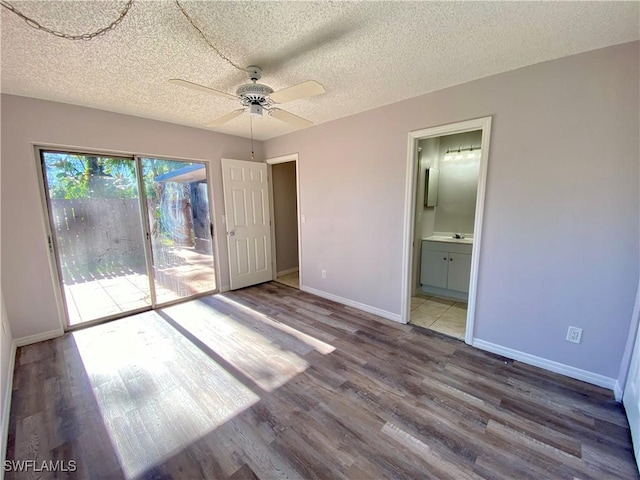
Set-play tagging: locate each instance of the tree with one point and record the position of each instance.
(71, 176)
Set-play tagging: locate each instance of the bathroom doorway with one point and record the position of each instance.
(446, 174)
(285, 229)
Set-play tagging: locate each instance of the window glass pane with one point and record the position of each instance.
(96, 222)
(180, 224)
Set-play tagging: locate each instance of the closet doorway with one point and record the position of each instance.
(127, 233)
(285, 230)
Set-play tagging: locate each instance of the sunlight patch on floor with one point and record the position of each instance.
(266, 355)
(318, 345)
(150, 410)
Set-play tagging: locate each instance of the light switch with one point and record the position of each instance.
(303, 217)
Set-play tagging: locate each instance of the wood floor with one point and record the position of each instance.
(271, 382)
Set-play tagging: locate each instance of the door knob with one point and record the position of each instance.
(232, 233)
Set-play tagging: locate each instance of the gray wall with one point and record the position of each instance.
(26, 121)
(458, 186)
(561, 225)
(561, 229)
(285, 215)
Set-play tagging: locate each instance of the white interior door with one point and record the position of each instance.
(246, 203)
(631, 398)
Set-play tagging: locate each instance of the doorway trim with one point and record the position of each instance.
(483, 124)
(292, 157)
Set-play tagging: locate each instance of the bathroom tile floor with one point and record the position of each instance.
(291, 279)
(439, 314)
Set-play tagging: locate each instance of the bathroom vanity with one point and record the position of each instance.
(446, 266)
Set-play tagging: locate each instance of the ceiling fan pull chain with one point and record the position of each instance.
(251, 124)
(83, 36)
(215, 49)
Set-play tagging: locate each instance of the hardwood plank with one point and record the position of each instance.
(272, 382)
(466, 405)
(244, 473)
(262, 458)
(569, 464)
(440, 467)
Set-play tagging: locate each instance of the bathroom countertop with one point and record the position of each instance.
(442, 238)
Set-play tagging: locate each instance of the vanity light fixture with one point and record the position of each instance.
(456, 153)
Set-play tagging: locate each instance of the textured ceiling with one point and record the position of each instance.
(366, 54)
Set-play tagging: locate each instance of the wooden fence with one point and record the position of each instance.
(103, 236)
(97, 235)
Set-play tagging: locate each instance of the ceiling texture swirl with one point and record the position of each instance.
(364, 54)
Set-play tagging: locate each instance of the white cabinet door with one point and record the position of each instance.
(246, 203)
(459, 272)
(433, 268)
(631, 398)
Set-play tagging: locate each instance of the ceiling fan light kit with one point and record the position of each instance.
(255, 110)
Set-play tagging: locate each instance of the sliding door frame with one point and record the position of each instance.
(52, 246)
(147, 234)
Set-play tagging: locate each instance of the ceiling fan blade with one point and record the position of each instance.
(290, 118)
(202, 88)
(302, 90)
(226, 118)
(323, 37)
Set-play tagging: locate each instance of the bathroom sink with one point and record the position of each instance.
(449, 239)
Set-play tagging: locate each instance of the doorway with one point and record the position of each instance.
(127, 233)
(285, 229)
(446, 174)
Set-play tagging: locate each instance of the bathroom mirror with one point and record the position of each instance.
(431, 187)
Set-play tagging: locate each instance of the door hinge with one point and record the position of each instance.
(50, 242)
(211, 229)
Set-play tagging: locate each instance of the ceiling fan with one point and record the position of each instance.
(257, 98)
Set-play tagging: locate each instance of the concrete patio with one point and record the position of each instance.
(127, 290)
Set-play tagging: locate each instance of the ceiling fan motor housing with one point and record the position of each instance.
(254, 92)
(255, 96)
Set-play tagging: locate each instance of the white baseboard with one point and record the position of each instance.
(618, 392)
(287, 272)
(38, 337)
(225, 288)
(556, 367)
(360, 306)
(6, 407)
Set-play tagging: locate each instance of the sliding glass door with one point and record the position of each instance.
(177, 204)
(128, 234)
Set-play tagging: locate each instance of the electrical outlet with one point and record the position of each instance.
(574, 334)
(303, 217)
(324, 274)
